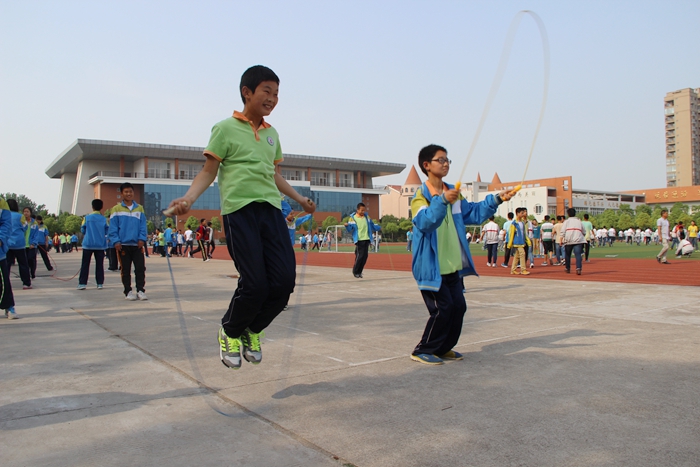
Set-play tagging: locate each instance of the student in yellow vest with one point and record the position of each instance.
(361, 227)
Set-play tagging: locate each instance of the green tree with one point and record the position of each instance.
(626, 209)
(310, 225)
(643, 221)
(608, 218)
(72, 224)
(625, 221)
(24, 202)
(643, 208)
(674, 214)
(328, 222)
(216, 223)
(150, 227)
(192, 223)
(390, 229)
(168, 222)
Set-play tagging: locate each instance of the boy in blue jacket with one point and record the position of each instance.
(94, 230)
(361, 227)
(17, 244)
(127, 232)
(7, 299)
(441, 254)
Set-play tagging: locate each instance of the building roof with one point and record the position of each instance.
(413, 177)
(82, 149)
(478, 177)
(496, 178)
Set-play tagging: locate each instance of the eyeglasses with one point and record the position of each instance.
(442, 161)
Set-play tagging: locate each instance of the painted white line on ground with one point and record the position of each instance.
(492, 319)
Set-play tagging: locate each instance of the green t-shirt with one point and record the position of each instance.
(247, 164)
(362, 227)
(587, 227)
(448, 248)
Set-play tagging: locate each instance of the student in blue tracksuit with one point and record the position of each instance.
(73, 242)
(94, 230)
(441, 254)
(127, 232)
(43, 242)
(7, 299)
(17, 243)
(30, 239)
(361, 227)
(168, 237)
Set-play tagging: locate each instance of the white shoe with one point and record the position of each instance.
(131, 296)
(493, 265)
(142, 296)
(207, 260)
(488, 265)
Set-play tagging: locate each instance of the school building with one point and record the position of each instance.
(91, 169)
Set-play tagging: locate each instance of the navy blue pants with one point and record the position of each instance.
(7, 299)
(258, 241)
(492, 252)
(447, 308)
(99, 266)
(21, 256)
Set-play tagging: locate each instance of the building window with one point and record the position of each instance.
(296, 175)
(188, 171)
(159, 170)
(538, 209)
(346, 180)
(323, 178)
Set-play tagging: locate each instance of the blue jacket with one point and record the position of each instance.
(296, 223)
(5, 228)
(428, 214)
(127, 226)
(95, 230)
(516, 235)
(30, 234)
(371, 227)
(42, 232)
(17, 240)
(168, 235)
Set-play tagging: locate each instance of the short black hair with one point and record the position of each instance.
(571, 212)
(31, 211)
(12, 204)
(585, 216)
(664, 210)
(209, 223)
(201, 220)
(492, 218)
(124, 186)
(546, 217)
(511, 215)
(361, 205)
(255, 75)
(39, 218)
(426, 155)
(681, 235)
(97, 204)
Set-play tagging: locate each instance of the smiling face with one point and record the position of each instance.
(128, 195)
(263, 101)
(27, 213)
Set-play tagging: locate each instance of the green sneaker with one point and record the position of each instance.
(229, 350)
(252, 350)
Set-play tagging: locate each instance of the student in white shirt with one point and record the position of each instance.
(662, 228)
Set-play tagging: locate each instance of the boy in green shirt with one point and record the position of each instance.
(244, 150)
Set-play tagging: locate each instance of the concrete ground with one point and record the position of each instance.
(556, 373)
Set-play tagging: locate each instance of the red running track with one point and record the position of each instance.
(638, 271)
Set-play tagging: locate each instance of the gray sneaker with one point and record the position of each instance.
(252, 350)
(229, 350)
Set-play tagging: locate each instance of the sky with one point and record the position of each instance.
(371, 80)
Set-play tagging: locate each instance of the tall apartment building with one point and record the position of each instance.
(682, 123)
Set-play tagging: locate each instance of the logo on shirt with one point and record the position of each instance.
(270, 141)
